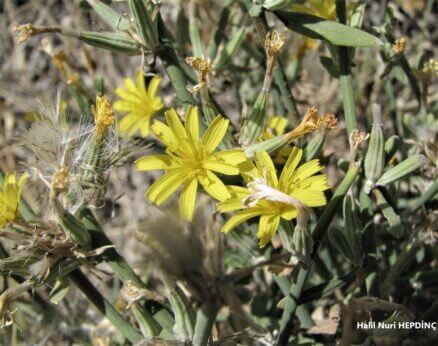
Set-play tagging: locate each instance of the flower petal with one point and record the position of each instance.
(267, 227)
(187, 200)
(215, 133)
(140, 83)
(214, 186)
(230, 205)
(175, 124)
(238, 191)
(232, 157)
(161, 189)
(306, 170)
(290, 166)
(192, 123)
(152, 162)
(165, 134)
(153, 86)
(131, 123)
(221, 167)
(266, 167)
(240, 218)
(310, 198)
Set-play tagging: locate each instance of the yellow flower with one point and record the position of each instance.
(9, 197)
(273, 198)
(276, 126)
(189, 161)
(139, 103)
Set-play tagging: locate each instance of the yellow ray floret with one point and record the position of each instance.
(190, 161)
(272, 197)
(139, 103)
(9, 197)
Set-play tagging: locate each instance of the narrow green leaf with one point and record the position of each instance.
(145, 25)
(114, 42)
(395, 226)
(110, 16)
(60, 290)
(253, 127)
(224, 57)
(404, 168)
(391, 146)
(332, 32)
(375, 156)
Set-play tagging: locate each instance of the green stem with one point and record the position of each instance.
(168, 56)
(94, 296)
(345, 78)
(205, 318)
(302, 273)
(119, 266)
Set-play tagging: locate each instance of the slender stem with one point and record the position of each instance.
(126, 329)
(205, 318)
(301, 273)
(120, 267)
(345, 78)
(279, 73)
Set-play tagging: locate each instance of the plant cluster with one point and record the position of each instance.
(266, 221)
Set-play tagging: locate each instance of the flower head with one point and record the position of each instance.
(399, 45)
(189, 160)
(24, 32)
(273, 198)
(202, 65)
(103, 116)
(276, 126)
(10, 196)
(274, 43)
(311, 122)
(139, 103)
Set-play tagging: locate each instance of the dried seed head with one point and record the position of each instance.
(6, 298)
(356, 138)
(61, 179)
(103, 116)
(399, 45)
(331, 121)
(312, 122)
(202, 65)
(26, 31)
(429, 70)
(274, 43)
(132, 294)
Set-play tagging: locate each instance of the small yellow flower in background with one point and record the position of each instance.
(276, 126)
(321, 8)
(10, 196)
(307, 44)
(103, 116)
(189, 161)
(139, 103)
(273, 198)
